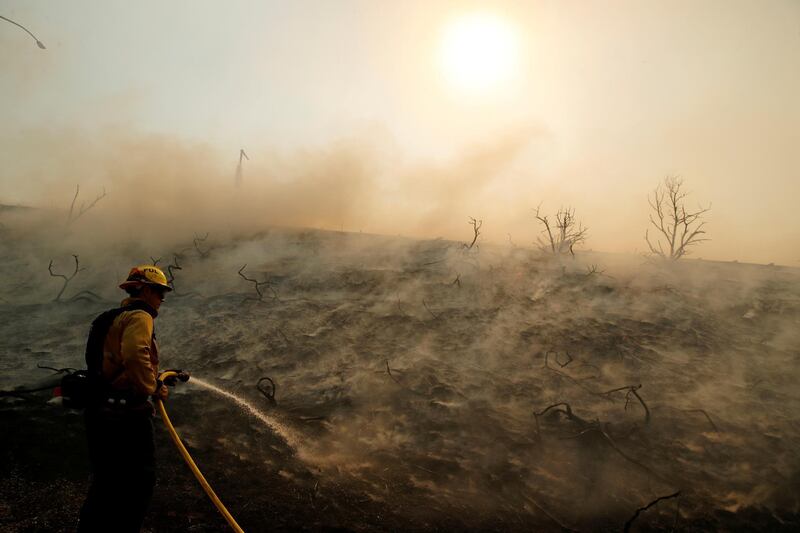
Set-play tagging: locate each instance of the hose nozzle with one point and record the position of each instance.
(171, 377)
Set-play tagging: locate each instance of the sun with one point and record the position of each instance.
(479, 52)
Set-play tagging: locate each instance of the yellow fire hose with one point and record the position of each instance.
(189, 461)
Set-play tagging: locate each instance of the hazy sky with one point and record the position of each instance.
(606, 100)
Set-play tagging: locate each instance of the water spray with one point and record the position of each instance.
(274, 425)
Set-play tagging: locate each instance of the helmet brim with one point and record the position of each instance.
(138, 283)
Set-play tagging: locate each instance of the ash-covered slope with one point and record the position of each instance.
(421, 385)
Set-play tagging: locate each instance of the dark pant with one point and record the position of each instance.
(122, 456)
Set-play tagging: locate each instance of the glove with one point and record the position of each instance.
(162, 392)
(173, 380)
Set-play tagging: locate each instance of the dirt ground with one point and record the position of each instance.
(421, 386)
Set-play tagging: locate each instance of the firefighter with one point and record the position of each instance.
(119, 425)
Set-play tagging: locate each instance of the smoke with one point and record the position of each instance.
(163, 190)
(166, 190)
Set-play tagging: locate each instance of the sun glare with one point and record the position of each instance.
(479, 52)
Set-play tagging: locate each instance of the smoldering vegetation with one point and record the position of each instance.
(426, 384)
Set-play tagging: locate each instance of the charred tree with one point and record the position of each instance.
(677, 228)
(560, 237)
(476, 231)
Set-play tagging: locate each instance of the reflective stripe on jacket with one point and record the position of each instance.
(130, 353)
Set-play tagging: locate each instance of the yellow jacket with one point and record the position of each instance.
(130, 353)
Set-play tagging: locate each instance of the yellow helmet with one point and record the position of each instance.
(146, 275)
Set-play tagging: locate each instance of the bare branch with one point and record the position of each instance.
(630, 521)
(389, 371)
(72, 205)
(701, 411)
(476, 227)
(567, 411)
(434, 315)
(67, 279)
(86, 296)
(660, 250)
(269, 394)
(71, 216)
(91, 205)
(546, 223)
(565, 363)
(58, 370)
(564, 374)
(197, 240)
(257, 284)
(705, 414)
(632, 389)
(592, 269)
(170, 269)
